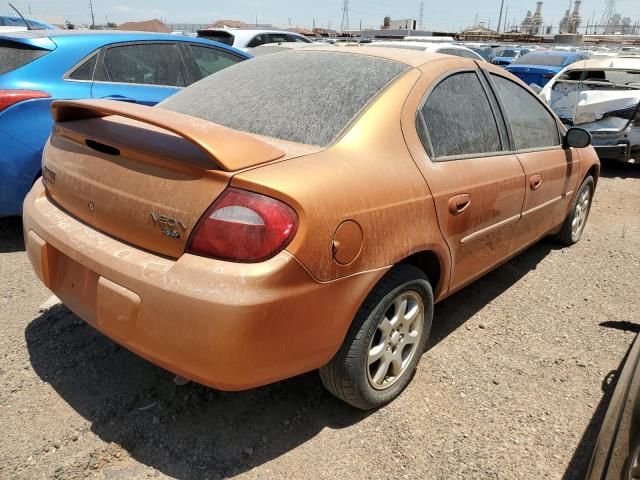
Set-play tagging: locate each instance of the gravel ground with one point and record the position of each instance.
(514, 384)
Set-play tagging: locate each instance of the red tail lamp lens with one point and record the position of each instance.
(11, 97)
(243, 226)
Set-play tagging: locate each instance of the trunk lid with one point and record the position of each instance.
(142, 174)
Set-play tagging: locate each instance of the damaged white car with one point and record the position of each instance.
(603, 97)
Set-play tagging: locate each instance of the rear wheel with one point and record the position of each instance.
(574, 224)
(383, 346)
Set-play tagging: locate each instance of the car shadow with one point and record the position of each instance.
(579, 465)
(614, 169)
(454, 311)
(11, 239)
(194, 432)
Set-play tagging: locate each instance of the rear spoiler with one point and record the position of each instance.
(230, 149)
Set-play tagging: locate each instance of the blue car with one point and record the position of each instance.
(507, 56)
(37, 67)
(539, 67)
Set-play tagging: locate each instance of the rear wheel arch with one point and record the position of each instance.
(429, 262)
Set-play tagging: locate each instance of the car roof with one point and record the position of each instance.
(622, 63)
(245, 34)
(413, 58)
(559, 53)
(92, 39)
(90, 34)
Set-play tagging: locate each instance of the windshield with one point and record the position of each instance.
(300, 96)
(507, 53)
(542, 59)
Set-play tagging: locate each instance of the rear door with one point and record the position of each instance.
(536, 140)
(141, 72)
(476, 182)
(204, 60)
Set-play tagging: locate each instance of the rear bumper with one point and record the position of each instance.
(227, 325)
(620, 152)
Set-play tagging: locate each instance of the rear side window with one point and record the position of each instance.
(301, 96)
(14, 56)
(144, 64)
(459, 119)
(211, 60)
(85, 71)
(531, 124)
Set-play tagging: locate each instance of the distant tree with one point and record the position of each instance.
(112, 25)
(69, 25)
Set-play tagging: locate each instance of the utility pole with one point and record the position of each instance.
(360, 24)
(421, 17)
(93, 19)
(475, 21)
(506, 16)
(314, 23)
(500, 16)
(256, 19)
(344, 25)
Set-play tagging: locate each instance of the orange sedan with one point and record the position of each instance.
(303, 210)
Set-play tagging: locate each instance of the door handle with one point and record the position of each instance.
(459, 203)
(535, 181)
(120, 98)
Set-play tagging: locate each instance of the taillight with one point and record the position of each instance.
(243, 226)
(11, 97)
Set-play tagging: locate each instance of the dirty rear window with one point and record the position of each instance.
(305, 97)
(14, 56)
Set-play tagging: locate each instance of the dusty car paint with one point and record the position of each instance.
(369, 201)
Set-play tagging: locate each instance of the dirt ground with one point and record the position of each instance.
(514, 384)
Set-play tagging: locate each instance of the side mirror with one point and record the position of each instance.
(576, 138)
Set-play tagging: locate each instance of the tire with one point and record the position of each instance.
(354, 374)
(567, 234)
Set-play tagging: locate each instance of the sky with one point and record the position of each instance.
(447, 15)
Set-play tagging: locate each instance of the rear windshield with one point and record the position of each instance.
(13, 56)
(217, 36)
(507, 53)
(542, 59)
(300, 96)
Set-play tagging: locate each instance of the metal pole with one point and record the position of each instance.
(500, 17)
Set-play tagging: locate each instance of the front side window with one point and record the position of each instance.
(531, 124)
(144, 64)
(211, 60)
(278, 38)
(459, 119)
(299, 38)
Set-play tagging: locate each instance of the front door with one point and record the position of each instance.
(477, 184)
(551, 171)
